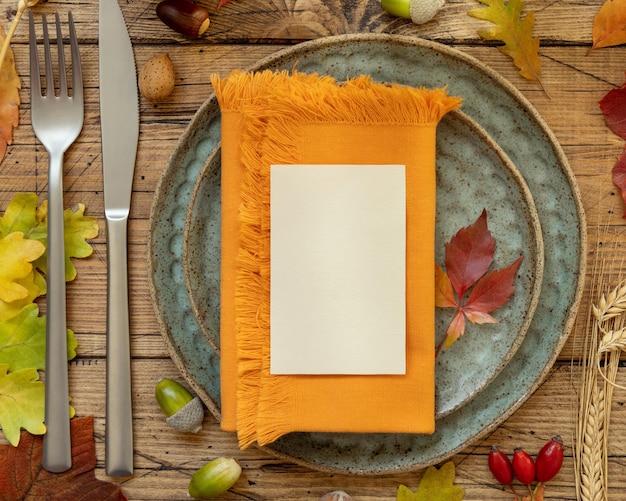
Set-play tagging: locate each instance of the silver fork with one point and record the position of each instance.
(57, 120)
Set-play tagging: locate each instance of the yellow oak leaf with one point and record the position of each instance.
(436, 485)
(17, 253)
(35, 285)
(9, 99)
(609, 25)
(515, 31)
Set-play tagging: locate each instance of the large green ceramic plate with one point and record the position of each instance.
(512, 122)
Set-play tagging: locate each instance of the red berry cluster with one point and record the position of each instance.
(542, 469)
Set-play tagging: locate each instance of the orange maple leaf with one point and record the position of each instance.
(609, 25)
(9, 99)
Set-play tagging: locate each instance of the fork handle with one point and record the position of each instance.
(119, 419)
(57, 449)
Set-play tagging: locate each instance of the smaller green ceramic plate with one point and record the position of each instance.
(473, 174)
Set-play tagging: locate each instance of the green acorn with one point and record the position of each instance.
(214, 478)
(183, 411)
(418, 11)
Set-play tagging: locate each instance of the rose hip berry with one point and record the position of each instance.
(500, 465)
(523, 466)
(549, 459)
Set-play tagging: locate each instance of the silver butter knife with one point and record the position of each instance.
(119, 117)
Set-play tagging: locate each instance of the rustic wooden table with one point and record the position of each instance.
(240, 34)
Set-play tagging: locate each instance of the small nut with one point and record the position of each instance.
(423, 11)
(418, 11)
(184, 412)
(336, 496)
(185, 17)
(214, 478)
(157, 78)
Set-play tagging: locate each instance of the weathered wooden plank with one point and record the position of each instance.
(165, 459)
(243, 21)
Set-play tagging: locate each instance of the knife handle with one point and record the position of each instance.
(119, 418)
(57, 449)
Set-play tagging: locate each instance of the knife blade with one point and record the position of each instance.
(119, 119)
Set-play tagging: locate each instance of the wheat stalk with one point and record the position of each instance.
(612, 305)
(613, 341)
(603, 345)
(607, 341)
(592, 474)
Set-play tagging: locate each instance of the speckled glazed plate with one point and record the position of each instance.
(515, 126)
(473, 174)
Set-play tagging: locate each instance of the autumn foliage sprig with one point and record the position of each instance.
(515, 31)
(22, 5)
(23, 239)
(468, 257)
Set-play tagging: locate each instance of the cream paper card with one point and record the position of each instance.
(338, 269)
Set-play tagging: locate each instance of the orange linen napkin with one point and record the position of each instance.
(280, 118)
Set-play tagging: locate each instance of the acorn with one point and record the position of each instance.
(337, 496)
(183, 411)
(418, 11)
(214, 478)
(184, 16)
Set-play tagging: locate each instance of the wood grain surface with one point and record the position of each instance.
(241, 33)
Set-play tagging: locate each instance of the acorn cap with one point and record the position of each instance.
(189, 417)
(422, 11)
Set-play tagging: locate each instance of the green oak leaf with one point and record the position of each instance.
(21, 403)
(23, 340)
(20, 215)
(436, 485)
(78, 228)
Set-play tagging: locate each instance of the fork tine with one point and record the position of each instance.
(35, 79)
(77, 74)
(62, 73)
(47, 58)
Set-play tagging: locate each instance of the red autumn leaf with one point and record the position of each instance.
(222, 3)
(455, 330)
(469, 254)
(490, 292)
(22, 477)
(613, 106)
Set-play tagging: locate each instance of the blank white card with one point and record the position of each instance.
(338, 269)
